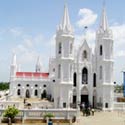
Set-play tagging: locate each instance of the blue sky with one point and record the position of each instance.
(28, 27)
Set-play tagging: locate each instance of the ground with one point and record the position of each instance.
(103, 118)
(100, 118)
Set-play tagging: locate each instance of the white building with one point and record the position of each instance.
(83, 77)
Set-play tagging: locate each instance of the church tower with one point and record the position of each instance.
(13, 67)
(104, 61)
(13, 70)
(64, 62)
(38, 65)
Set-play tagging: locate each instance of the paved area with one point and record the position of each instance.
(100, 118)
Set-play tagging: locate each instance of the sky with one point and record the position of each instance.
(28, 28)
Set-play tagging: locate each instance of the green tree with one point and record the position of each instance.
(4, 85)
(119, 88)
(11, 112)
(48, 116)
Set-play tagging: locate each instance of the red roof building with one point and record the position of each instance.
(31, 75)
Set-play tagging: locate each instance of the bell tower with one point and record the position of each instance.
(64, 61)
(105, 62)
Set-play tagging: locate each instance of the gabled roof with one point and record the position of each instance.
(84, 45)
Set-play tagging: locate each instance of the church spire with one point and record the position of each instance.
(104, 22)
(13, 67)
(14, 62)
(38, 65)
(65, 24)
(66, 20)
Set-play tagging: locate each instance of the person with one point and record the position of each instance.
(24, 101)
(83, 106)
(89, 110)
(50, 122)
(93, 111)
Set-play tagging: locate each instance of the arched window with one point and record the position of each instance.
(94, 80)
(84, 54)
(18, 92)
(59, 71)
(60, 48)
(84, 76)
(44, 94)
(53, 69)
(36, 92)
(74, 79)
(101, 50)
(100, 72)
(71, 48)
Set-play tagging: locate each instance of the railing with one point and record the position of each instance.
(119, 106)
(5, 104)
(39, 113)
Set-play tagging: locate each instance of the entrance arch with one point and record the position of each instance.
(36, 92)
(27, 93)
(84, 96)
(74, 96)
(44, 94)
(94, 98)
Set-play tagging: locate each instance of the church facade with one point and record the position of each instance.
(73, 78)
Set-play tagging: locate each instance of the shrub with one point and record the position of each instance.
(48, 115)
(11, 112)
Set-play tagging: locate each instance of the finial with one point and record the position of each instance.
(65, 2)
(85, 31)
(104, 3)
(38, 64)
(13, 52)
(14, 59)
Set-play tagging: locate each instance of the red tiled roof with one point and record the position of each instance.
(32, 74)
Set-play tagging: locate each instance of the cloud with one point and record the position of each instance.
(30, 47)
(119, 39)
(89, 36)
(120, 53)
(15, 31)
(119, 34)
(88, 17)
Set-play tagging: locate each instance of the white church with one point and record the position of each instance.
(73, 77)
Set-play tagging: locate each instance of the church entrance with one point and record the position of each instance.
(74, 99)
(74, 96)
(85, 96)
(27, 93)
(84, 99)
(44, 94)
(94, 98)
